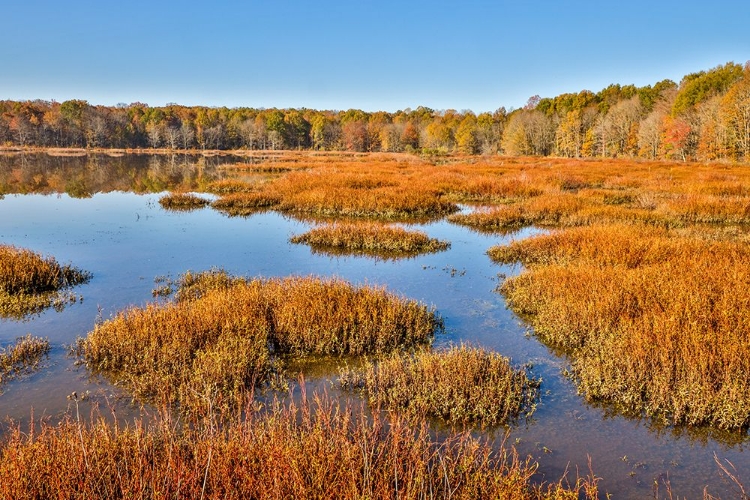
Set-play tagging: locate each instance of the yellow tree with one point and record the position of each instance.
(735, 110)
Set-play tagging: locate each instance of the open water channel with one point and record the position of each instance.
(88, 211)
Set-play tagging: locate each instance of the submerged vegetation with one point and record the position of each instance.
(30, 282)
(24, 355)
(223, 335)
(370, 238)
(654, 321)
(459, 385)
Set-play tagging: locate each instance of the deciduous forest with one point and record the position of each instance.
(704, 117)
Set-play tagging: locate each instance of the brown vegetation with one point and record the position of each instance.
(222, 335)
(182, 201)
(30, 282)
(306, 450)
(459, 385)
(370, 238)
(22, 356)
(655, 321)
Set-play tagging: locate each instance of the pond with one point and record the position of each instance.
(126, 239)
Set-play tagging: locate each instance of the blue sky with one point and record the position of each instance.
(372, 55)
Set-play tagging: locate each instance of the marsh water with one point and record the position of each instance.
(101, 214)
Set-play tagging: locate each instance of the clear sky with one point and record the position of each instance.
(372, 55)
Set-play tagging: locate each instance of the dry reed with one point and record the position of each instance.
(370, 238)
(312, 449)
(222, 335)
(654, 322)
(24, 355)
(460, 385)
(30, 282)
(182, 201)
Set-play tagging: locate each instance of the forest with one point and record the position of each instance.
(706, 117)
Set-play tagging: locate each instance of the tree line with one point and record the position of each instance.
(704, 117)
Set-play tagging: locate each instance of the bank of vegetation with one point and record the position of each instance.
(310, 449)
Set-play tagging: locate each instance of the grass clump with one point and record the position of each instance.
(30, 282)
(654, 322)
(24, 355)
(222, 335)
(460, 385)
(23, 271)
(370, 238)
(313, 449)
(182, 201)
(242, 204)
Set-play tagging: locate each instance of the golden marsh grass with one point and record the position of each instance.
(370, 237)
(30, 282)
(182, 201)
(313, 449)
(24, 355)
(223, 335)
(654, 321)
(460, 385)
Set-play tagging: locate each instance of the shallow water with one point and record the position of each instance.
(126, 240)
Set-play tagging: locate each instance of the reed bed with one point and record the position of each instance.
(371, 238)
(23, 356)
(460, 385)
(224, 335)
(311, 449)
(182, 201)
(654, 321)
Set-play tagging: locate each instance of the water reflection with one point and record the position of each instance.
(84, 176)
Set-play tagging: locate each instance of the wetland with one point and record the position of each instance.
(618, 288)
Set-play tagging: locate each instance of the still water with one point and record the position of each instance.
(92, 215)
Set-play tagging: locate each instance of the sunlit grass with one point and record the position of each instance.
(30, 282)
(371, 238)
(240, 204)
(459, 385)
(182, 201)
(654, 321)
(223, 335)
(24, 355)
(312, 449)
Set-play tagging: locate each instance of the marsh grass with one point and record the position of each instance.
(224, 335)
(311, 449)
(245, 203)
(30, 282)
(23, 356)
(655, 321)
(460, 385)
(370, 238)
(183, 201)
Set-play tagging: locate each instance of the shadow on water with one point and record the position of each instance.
(126, 240)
